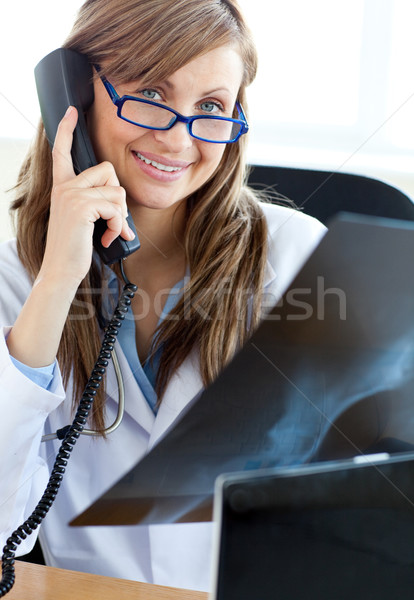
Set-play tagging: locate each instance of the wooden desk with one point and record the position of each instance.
(47, 583)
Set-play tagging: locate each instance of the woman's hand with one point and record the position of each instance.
(77, 201)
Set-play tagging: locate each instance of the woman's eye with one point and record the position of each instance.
(150, 94)
(211, 107)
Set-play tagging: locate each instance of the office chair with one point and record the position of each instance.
(322, 194)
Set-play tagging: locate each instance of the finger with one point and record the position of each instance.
(112, 212)
(62, 159)
(98, 175)
(102, 178)
(113, 181)
(114, 225)
(108, 193)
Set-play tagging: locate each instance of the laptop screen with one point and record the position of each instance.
(337, 530)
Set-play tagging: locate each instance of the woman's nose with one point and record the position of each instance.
(177, 139)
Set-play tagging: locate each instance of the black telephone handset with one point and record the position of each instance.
(64, 78)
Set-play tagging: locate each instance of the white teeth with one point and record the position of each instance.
(157, 165)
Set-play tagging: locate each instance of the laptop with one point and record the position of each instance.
(341, 530)
(341, 338)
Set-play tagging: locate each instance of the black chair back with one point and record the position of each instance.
(322, 194)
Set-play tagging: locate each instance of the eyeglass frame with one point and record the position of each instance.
(179, 118)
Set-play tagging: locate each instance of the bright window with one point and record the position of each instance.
(309, 67)
(28, 31)
(335, 87)
(400, 97)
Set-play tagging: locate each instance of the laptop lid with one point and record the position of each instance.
(340, 530)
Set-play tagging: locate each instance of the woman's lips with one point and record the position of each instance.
(160, 168)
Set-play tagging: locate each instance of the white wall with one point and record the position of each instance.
(12, 152)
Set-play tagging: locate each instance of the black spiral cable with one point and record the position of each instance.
(72, 434)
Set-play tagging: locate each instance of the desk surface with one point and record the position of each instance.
(47, 583)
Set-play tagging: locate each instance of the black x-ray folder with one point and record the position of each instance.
(341, 336)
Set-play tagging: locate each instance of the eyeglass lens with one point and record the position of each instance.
(149, 115)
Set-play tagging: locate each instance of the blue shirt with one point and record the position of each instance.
(145, 374)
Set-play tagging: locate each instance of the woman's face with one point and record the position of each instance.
(206, 85)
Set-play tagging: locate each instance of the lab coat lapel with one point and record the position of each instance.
(135, 403)
(269, 275)
(184, 385)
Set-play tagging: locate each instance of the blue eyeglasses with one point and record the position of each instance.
(152, 115)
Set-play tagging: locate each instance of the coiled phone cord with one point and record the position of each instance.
(73, 433)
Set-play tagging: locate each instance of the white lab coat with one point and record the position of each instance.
(174, 555)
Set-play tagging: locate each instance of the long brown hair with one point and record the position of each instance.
(225, 239)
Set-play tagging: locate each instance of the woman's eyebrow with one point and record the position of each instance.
(217, 90)
(171, 86)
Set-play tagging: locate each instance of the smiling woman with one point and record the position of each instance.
(212, 257)
(187, 162)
